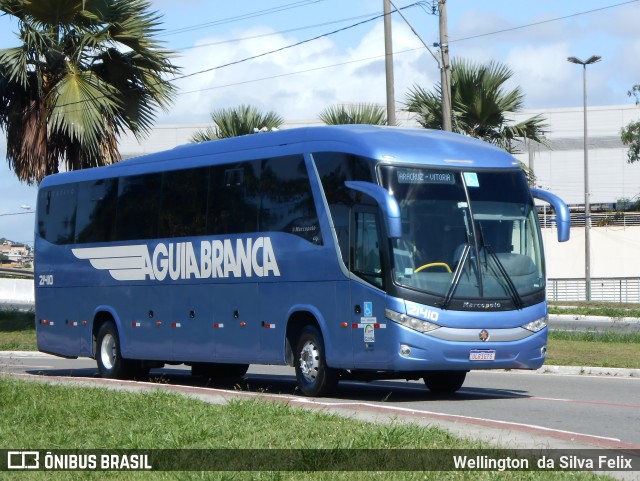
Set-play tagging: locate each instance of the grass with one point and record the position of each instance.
(592, 349)
(602, 337)
(47, 417)
(17, 331)
(606, 309)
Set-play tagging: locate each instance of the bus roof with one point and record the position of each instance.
(388, 144)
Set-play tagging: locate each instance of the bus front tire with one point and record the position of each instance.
(313, 375)
(111, 364)
(444, 382)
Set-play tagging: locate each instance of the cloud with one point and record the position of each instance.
(544, 74)
(297, 82)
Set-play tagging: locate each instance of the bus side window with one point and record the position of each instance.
(138, 203)
(57, 213)
(95, 220)
(366, 253)
(234, 198)
(288, 204)
(183, 203)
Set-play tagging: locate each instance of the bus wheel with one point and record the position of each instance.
(314, 377)
(110, 362)
(444, 382)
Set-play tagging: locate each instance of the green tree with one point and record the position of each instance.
(481, 105)
(630, 134)
(235, 121)
(364, 113)
(85, 71)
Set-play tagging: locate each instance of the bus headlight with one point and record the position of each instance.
(410, 322)
(537, 325)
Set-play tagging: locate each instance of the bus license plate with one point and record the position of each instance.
(482, 355)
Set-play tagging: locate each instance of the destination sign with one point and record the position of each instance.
(421, 176)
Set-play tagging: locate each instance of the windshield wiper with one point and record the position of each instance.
(456, 276)
(515, 295)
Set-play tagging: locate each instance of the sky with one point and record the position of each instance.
(533, 39)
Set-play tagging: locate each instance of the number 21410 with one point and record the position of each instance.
(45, 280)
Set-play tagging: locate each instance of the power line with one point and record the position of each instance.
(542, 22)
(18, 213)
(253, 37)
(404, 51)
(259, 13)
(253, 57)
(298, 72)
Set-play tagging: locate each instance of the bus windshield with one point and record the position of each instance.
(465, 235)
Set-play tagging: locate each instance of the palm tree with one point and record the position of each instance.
(235, 121)
(85, 71)
(480, 104)
(354, 114)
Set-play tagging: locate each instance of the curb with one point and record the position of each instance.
(598, 319)
(587, 371)
(599, 324)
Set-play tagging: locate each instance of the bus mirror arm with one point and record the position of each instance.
(387, 203)
(563, 219)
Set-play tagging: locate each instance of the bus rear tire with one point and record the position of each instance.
(444, 382)
(313, 375)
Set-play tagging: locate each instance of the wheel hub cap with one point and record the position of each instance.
(108, 351)
(309, 361)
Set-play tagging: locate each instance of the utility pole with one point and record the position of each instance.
(445, 68)
(388, 55)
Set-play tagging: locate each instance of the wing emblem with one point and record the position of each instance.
(124, 263)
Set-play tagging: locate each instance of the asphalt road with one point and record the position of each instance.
(515, 409)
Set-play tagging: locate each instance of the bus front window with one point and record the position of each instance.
(466, 235)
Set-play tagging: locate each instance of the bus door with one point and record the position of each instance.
(236, 322)
(370, 340)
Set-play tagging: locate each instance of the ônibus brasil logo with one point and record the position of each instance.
(178, 260)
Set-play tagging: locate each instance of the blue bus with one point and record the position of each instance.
(348, 252)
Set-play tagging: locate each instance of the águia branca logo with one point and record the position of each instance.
(178, 260)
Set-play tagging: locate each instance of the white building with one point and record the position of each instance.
(560, 166)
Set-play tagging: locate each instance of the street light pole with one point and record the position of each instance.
(587, 205)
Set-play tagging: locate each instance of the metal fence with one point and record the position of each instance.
(605, 289)
(606, 219)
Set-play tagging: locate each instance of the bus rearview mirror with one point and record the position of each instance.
(387, 203)
(563, 219)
